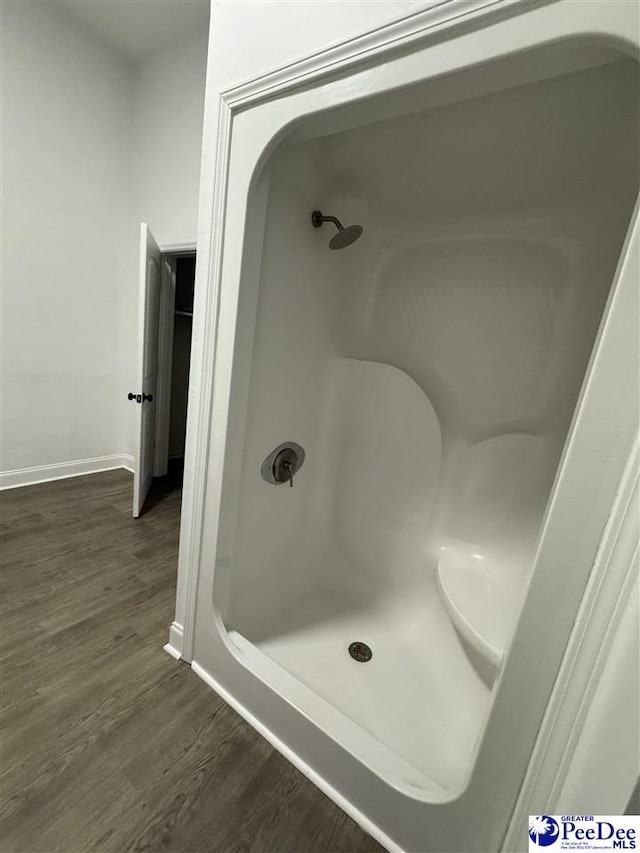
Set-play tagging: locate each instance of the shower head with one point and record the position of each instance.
(345, 236)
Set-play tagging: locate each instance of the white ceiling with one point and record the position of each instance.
(138, 28)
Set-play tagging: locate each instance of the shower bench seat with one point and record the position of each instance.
(480, 600)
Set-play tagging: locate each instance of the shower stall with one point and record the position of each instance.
(393, 611)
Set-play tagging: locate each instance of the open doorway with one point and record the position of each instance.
(174, 351)
(165, 319)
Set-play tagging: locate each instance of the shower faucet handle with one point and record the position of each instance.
(283, 464)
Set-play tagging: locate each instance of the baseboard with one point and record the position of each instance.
(169, 649)
(128, 462)
(174, 646)
(319, 781)
(62, 470)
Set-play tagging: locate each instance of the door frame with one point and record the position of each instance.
(585, 654)
(169, 254)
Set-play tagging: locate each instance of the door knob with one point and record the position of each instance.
(146, 397)
(136, 397)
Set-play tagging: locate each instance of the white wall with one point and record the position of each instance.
(92, 144)
(66, 136)
(252, 38)
(168, 106)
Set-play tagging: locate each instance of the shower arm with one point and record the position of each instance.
(317, 218)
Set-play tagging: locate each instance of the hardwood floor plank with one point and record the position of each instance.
(108, 744)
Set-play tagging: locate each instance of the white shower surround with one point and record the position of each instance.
(401, 817)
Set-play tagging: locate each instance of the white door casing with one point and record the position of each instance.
(147, 366)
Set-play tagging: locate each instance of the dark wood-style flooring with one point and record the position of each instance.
(108, 744)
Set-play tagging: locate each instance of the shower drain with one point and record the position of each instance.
(360, 652)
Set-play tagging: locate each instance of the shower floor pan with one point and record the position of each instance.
(412, 714)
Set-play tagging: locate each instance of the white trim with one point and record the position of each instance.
(170, 650)
(204, 333)
(381, 42)
(347, 55)
(299, 763)
(179, 248)
(176, 640)
(63, 470)
(605, 598)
